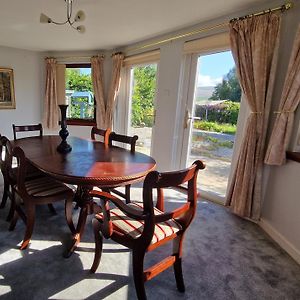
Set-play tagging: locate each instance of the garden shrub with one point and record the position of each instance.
(225, 112)
(216, 127)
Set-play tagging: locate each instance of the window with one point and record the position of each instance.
(135, 111)
(79, 95)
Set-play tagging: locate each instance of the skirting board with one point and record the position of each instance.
(280, 240)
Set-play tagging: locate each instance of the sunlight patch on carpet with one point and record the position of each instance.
(79, 290)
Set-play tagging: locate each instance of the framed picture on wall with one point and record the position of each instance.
(7, 91)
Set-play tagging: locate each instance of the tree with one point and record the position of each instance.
(228, 89)
(77, 81)
(143, 95)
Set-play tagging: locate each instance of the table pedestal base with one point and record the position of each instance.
(87, 207)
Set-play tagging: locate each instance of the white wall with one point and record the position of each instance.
(164, 135)
(28, 78)
(281, 209)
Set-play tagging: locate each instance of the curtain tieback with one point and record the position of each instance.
(283, 112)
(255, 112)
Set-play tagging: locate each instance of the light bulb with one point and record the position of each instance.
(80, 29)
(45, 19)
(80, 16)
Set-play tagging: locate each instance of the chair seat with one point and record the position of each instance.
(134, 228)
(45, 187)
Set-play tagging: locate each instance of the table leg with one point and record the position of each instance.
(79, 231)
(85, 202)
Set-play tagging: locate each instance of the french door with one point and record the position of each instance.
(212, 105)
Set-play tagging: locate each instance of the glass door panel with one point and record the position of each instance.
(213, 121)
(142, 105)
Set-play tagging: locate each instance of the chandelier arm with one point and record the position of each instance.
(59, 23)
(69, 13)
(73, 27)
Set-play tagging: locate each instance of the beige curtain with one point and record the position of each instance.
(114, 87)
(98, 85)
(50, 119)
(61, 83)
(290, 99)
(254, 44)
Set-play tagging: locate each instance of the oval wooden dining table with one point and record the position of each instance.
(89, 164)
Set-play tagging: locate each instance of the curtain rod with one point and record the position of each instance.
(281, 8)
(75, 57)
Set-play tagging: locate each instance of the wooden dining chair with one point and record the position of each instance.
(37, 191)
(9, 179)
(143, 227)
(8, 169)
(129, 140)
(102, 133)
(27, 128)
(31, 170)
(3, 166)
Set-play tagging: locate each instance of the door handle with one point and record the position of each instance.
(187, 117)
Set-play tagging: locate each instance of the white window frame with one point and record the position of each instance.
(123, 107)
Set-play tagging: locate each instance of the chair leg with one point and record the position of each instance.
(127, 193)
(138, 273)
(98, 245)
(18, 213)
(11, 208)
(52, 209)
(5, 195)
(13, 221)
(30, 212)
(68, 213)
(179, 275)
(177, 249)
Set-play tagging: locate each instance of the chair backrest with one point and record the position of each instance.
(20, 171)
(26, 128)
(3, 154)
(125, 139)
(104, 133)
(6, 158)
(156, 180)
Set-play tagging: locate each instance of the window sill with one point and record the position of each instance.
(295, 156)
(81, 122)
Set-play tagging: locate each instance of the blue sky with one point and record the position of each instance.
(85, 71)
(213, 67)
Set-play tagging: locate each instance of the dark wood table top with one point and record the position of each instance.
(89, 162)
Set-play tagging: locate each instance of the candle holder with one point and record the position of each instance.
(63, 147)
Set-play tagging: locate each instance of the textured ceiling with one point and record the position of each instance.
(108, 23)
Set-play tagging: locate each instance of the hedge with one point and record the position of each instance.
(225, 112)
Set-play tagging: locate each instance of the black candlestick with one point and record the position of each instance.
(63, 147)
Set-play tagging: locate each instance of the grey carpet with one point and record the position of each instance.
(225, 257)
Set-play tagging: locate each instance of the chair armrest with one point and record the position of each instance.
(172, 214)
(128, 210)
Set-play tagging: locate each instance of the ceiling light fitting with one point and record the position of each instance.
(80, 16)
